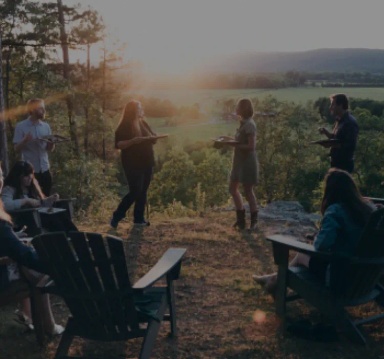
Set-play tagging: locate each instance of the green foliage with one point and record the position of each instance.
(91, 182)
(212, 175)
(175, 180)
(284, 131)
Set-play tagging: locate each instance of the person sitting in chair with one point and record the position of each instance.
(12, 250)
(345, 213)
(21, 190)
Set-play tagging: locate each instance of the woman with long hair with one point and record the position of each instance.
(345, 213)
(13, 250)
(133, 137)
(21, 190)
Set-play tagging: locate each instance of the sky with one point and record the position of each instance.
(174, 36)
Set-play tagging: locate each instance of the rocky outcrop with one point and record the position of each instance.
(288, 217)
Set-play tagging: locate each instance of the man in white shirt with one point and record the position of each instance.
(28, 140)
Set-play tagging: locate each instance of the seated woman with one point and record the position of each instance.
(21, 190)
(345, 213)
(11, 248)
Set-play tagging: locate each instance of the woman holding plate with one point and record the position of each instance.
(245, 166)
(135, 139)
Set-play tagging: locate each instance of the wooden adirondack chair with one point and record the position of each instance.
(353, 281)
(90, 274)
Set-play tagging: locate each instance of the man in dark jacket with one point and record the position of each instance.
(345, 132)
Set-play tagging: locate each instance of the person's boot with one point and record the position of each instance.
(253, 224)
(240, 219)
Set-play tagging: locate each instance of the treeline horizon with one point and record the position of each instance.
(262, 80)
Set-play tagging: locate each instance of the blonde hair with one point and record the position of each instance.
(34, 103)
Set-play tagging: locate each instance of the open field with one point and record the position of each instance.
(204, 131)
(222, 314)
(207, 98)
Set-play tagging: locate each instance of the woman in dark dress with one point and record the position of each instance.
(133, 139)
(245, 168)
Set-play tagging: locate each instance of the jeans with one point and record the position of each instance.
(138, 182)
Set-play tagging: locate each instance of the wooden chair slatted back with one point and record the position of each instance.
(358, 279)
(91, 275)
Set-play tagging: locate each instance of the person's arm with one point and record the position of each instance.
(330, 225)
(50, 146)
(11, 204)
(250, 146)
(18, 251)
(20, 140)
(325, 132)
(122, 145)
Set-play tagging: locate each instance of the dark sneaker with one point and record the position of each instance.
(114, 223)
(142, 224)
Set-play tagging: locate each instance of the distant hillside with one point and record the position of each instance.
(321, 60)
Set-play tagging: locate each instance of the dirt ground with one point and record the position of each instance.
(221, 313)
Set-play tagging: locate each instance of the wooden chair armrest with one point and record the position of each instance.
(282, 244)
(23, 210)
(66, 203)
(47, 285)
(44, 281)
(33, 211)
(168, 264)
(63, 200)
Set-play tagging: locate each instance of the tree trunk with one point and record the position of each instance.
(3, 127)
(66, 75)
(104, 104)
(86, 107)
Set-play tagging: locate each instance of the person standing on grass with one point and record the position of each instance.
(26, 141)
(133, 139)
(345, 131)
(245, 165)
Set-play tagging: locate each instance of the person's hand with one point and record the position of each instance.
(21, 233)
(138, 140)
(28, 137)
(49, 201)
(55, 197)
(226, 138)
(324, 131)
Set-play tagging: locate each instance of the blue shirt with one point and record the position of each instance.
(338, 232)
(34, 151)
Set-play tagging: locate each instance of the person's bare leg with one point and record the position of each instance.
(43, 304)
(250, 196)
(26, 310)
(236, 196)
(300, 259)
